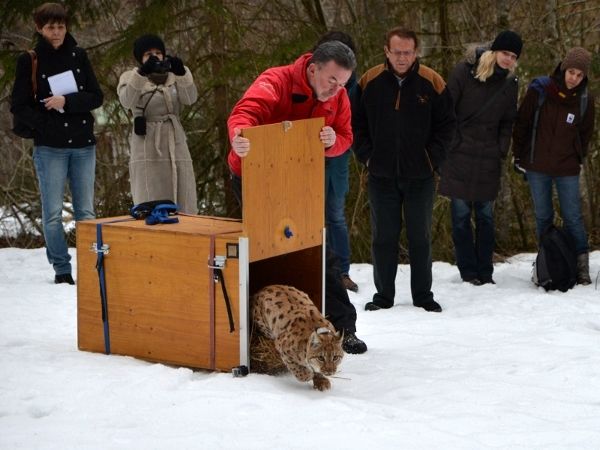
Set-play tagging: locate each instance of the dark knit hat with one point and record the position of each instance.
(509, 41)
(145, 43)
(577, 58)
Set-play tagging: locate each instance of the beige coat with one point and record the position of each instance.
(160, 165)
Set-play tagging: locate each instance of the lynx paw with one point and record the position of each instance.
(320, 382)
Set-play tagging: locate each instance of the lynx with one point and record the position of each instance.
(308, 344)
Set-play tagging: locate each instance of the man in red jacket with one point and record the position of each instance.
(313, 86)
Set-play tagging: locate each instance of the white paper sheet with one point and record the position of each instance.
(62, 84)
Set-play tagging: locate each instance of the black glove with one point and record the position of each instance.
(177, 66)
(520, 170)
(148, 67)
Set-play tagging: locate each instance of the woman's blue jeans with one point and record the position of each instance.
(54, 166)
(474, 251)
(569, 200)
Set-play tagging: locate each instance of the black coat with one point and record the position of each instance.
(473, 165)
(402, 131)
(75, 127)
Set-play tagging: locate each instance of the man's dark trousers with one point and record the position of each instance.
(391, 199)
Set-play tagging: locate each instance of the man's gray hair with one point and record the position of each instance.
(334, 51)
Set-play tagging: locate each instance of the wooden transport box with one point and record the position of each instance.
(163, 303)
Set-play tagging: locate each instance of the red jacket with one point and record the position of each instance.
(283, 93)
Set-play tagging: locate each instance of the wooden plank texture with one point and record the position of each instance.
(283, 188)
(157, 280)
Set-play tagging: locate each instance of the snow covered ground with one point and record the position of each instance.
(504, 366)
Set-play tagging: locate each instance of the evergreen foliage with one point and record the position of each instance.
(227, 43)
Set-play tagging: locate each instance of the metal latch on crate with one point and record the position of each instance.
(218, 263)
(103, 249)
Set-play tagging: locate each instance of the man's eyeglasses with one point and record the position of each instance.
(403, 54)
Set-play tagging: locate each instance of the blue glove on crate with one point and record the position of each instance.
(162, 214)
(155, 211)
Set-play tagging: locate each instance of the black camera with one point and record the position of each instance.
(139, 125)
(161, 66)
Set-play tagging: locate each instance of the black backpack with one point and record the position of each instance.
(555, 266)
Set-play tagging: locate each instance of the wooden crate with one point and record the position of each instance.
(163, 302)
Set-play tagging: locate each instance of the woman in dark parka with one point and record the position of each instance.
(484, 90)
(64, 146)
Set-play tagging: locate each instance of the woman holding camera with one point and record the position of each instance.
(160, 165)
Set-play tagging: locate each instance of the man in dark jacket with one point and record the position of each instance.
(403, 119)
(63, 138)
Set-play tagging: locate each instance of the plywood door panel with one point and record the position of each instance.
(283, 188)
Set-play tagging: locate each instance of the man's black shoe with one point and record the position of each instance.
(352, 344)
(372, 306)
(64, 278)
(431, 306)
(489, 280)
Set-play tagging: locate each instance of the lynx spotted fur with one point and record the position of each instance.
(307, 342)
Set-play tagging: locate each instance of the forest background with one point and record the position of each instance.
(227, 43)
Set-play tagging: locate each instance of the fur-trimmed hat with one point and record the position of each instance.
(145, 43)
(577, 58)
(509, 41)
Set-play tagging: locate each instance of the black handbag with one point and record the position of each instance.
(20, 128)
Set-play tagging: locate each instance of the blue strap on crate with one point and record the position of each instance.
(161, 213)
(100, 250)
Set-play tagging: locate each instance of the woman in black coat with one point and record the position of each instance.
(484, 91)
(61, 125)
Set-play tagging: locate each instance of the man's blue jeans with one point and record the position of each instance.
(569, 200)
(474, 254)
(54, 166)
(336, 188)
